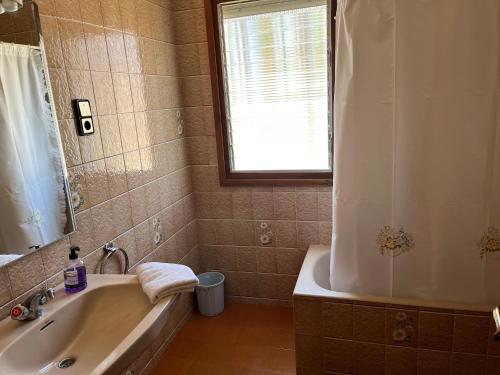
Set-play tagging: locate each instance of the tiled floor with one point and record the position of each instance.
(244, 340)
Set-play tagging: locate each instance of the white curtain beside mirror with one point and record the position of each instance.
(32, 197)
(10, 5)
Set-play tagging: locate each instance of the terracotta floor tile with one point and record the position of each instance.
(201, 368)
(243, 340)
(281, 360)
(173, 366)
(183, 349)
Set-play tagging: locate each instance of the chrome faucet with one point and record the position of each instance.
(496, 319)
(31, 310)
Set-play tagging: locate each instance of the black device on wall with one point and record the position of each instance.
(83, 116)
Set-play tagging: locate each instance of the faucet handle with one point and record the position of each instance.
(50, 293)
(19, 312)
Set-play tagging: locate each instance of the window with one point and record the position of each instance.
(272, 79)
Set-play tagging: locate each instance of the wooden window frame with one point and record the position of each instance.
(226, 176)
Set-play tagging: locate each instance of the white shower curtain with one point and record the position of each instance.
(417, 149)
(32, 197)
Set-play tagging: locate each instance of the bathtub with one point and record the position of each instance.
(346, 333)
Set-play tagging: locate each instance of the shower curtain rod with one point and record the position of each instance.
(25, 45)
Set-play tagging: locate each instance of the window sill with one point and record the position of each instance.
(276, 179)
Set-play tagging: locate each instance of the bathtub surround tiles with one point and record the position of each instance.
(335, 336)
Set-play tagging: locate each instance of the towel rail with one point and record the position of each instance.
(110, 250)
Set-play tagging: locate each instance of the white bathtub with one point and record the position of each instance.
(314, 281)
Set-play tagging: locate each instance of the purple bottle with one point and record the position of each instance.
(75, 274)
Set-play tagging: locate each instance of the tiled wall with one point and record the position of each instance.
(18, 27)
(229, 219)
(351, 337)
(122, 55)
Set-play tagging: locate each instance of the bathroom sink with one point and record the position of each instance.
(100, 330)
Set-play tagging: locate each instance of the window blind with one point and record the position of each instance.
(275, 57)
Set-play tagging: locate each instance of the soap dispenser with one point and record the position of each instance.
(75, 274)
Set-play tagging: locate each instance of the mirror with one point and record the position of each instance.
(35, 202)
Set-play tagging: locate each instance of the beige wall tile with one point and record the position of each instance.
(97, 182)
(246, 259)
(263, 205)
(435, 331)
(307, 317)
(338, 355)
(133, 53)
(55, 256)
(248, 285)
(465, 364)
(138, 88)
(368, 359)
(401, 361)
(5, 292)
(369, 324)
(138, 204)
(307, 234)
(307, 206)
(116, 51)
(471, 334)
(73, 44)
(104, 95)
(52, 42)
(25, 273)
(268, 286)
(242, 205)
(284, 204)
(117, 176)
(110, 10)
(96, 47)
(143, 240)
(266, 260)
(289, 261)
(122, 213)
(128, 132)
(128, 14)
(337, 319)
(133, 169)
(68, 9)
(91, 11)
(110, 135)
(285, 233)
(121, 86)
(103, 223)
(431, 362)
(46, 7)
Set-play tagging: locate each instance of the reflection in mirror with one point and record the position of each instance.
(34, 194)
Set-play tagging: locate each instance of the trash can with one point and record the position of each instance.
(210, 293)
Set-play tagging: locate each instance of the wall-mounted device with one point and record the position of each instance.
(83, 116)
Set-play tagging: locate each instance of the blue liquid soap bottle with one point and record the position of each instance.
(75, 274)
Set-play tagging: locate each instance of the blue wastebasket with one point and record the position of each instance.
(210, 293)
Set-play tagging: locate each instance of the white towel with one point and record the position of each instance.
(159, 280)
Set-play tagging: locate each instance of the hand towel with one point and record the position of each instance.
(159, 280)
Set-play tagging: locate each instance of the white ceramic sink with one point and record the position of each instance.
(105, 327)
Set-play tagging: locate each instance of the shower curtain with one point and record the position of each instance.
(417, 150)
(32, 197)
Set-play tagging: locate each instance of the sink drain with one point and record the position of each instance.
(66, 362)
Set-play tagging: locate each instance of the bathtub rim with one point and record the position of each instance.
(306, 287)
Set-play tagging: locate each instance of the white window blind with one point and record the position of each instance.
(275, 68)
